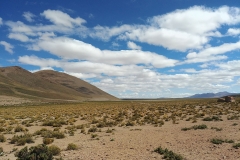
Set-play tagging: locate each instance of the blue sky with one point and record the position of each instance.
(128, 48)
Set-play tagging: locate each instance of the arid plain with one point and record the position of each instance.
(188, 129)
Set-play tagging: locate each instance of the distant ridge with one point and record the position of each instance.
(16, 81)
(212, 95)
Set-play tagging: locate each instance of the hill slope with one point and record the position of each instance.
(15, 81)
(75, 84)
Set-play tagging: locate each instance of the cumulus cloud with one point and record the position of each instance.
(8, 47)
(29, 16)
(170, 39)
(194, 19)
(178, 30)
(18, 36)
(212, 53)
(132, 45)
(1, 21)
(142, 79)
(233, 31)
(76, 49)
(60, 18)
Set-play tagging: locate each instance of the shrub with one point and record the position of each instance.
(236, 146)
(22, 139)
(217, 129)
(58, 135)
(55, 150)
(130, 123)
(72, 146)
(2, 138)
(195, 127)
(217, 141)
(18, 129)
(1, 151)
(168, 155)
(202, 126)
(109, 131)
(48, 140)
(185, 129)
(39, 152)
(93, 129)
(94, 135)
(213, 118)
(229, 141)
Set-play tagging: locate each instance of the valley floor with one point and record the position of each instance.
(138, 140)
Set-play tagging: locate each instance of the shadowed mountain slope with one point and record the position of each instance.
(75, 84)
(16, 81)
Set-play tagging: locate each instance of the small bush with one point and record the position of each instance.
(217, 141)
(195, 127)
(236, 146)
(39, 152)
(55, 150)
(168, 155)
(58, 135)
(1, 150)
(229, 141)
(22, 139)
(94, 135)
(48, 140)
(217, 129)
(202, 126)
(18, 129)
(93, 129)
(185, 129)
(2, 138)
(72, 146)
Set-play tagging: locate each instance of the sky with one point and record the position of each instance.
(128, 48)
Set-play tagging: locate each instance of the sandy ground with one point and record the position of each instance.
(139, 142)
(8, 100)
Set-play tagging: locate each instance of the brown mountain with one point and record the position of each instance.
(16, 81)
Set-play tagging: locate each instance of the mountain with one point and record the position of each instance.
(211, 95)
(16, 81)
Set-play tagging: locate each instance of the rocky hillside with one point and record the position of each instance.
(16, 81)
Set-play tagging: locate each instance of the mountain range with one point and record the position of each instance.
(212, 95)
(48, 84)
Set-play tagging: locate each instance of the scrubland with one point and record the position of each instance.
(174, 129)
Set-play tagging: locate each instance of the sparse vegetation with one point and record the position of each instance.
(236, 146)
(220, 141)
(37, 152)
(195, 127)
(72, 146)
(56, 121)
(168, 155)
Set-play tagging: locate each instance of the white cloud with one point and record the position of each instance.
(60, 18)
(132, 45)
(20, 27)
(178, 30)
(212, 53)
(143, 80)
(8, 47)
(194, 19)
(29, 16)
(189, 70)
(18, 36)
(1, 21)
(233, 31)
(82, 51)
(170, 39)
(231, 66)
(105, 33)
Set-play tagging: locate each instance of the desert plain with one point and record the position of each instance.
(199, 129)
